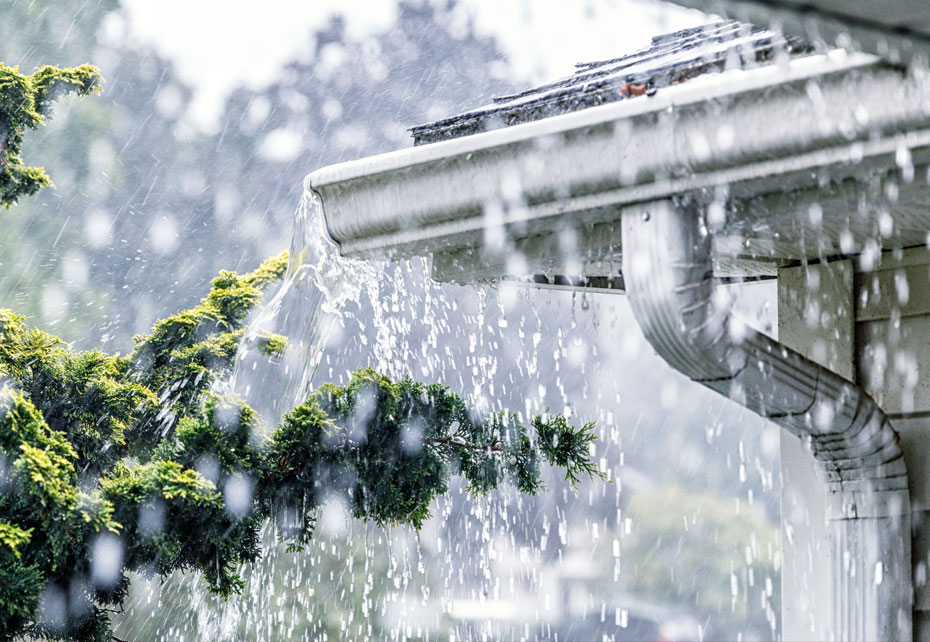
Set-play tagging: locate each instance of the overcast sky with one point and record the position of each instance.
(219, 44)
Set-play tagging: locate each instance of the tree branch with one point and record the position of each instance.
(452, 442)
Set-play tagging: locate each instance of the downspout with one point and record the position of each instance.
(669, 280)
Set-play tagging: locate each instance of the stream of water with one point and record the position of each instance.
(306, 309)
(506, 566)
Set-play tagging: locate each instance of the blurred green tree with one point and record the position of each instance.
(25, 101)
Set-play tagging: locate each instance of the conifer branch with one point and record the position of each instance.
(461, 444)
(68, 421)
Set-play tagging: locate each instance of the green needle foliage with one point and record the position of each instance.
(25, 101)
(111, 464)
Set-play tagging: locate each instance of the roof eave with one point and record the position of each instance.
(755, 131)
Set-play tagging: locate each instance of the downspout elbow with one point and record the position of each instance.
(668, 274)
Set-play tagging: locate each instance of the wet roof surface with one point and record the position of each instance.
(670, 59)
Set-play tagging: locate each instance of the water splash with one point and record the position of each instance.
(306, 310)
(505, 566)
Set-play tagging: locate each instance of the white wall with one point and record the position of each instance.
(885, 347)
(819, 324)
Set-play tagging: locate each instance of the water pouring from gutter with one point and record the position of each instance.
(302, 315)
(601, 170)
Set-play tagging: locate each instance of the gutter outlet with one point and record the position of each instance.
(669, 279)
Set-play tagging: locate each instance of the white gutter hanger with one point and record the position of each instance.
(669, 280)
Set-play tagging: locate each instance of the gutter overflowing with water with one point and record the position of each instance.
(755, 162)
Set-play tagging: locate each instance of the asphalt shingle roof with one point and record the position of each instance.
(672, 58)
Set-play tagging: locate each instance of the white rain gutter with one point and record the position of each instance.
(669, 280)
(772, 128)
(798, 125)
